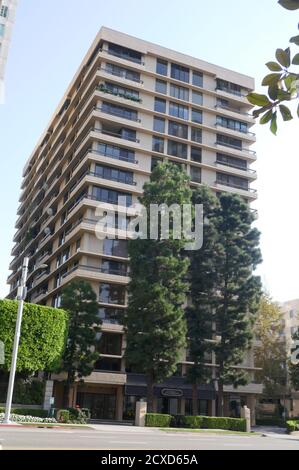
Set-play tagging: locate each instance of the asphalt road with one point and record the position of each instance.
(128, 437)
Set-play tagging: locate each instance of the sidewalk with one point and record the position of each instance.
(275, 432)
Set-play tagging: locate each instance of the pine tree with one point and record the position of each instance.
(79, 299)
(238, 290)
(202, 299)
(155, 323)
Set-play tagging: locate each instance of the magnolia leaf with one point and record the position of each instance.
(283, 95)
(267, 117)
(295, 60)
(289, 4)
(295, 40)
(270, 79)
(262, 110)
(273, 125)
(258, 100)
(273, 91)
(285, 112)
(283, 57)
(274, 66)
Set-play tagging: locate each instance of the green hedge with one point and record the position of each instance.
(43, 335)
(195, 422)
(158, 420)
(73, 415)
(292, 425)
(27, 412)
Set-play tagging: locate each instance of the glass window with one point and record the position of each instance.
(196, 135)
(196, 154)
(124, 53)
(228, 87)
(160, 105)
(178, 110)
(114, 174)
(159, 124)
(179, 92)
(115, 247)
(155, 161)
(158, 144)
(111, 344)
(195, 174)
(197, 78)
(120, 91)
(120, 111)
(111, 196)
(161, 87)
(112, 294)
(111, 315)
(233, 181)
(116, 152)
(123, 72)
(229, 141)
(196, 97)
(161, 67)
(196, 116)
(177, 149)
(178, 130)
(232, 124)
(179, 72)
(4, 11)
(231, 161)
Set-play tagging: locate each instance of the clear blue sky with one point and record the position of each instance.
(50, 39)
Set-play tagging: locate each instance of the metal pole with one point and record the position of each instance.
(21, 297)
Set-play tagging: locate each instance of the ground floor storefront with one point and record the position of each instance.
(118, 402)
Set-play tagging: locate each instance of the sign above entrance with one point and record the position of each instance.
(171, 392)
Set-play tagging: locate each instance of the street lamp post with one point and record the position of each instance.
(21, 296)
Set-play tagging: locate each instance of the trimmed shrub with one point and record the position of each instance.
(63, 416)
(292, 425)
(158, 420)
(193, 422)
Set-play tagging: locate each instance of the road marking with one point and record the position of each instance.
(126, 442)
(237, 445)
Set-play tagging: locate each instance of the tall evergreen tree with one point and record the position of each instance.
(155, 323)
(202, 299)
(79, 299)
(238, 290)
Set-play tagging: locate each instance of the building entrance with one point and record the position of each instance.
(101, 405)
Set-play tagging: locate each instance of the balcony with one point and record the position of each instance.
(111, 178)
(125, 95)
(236, 147)
(236, 186)
(123, 56)
(230, 91)
(231, 109)
(100, 270)
(120, 74)
(232, 128)
(237, 167)
(119, 113)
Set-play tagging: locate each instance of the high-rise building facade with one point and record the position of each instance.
(7, 17)
(130, 105)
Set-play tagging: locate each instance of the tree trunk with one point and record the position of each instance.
(220, 398)
(194, 399)
(150, 392)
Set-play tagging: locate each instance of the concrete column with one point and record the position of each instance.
(245, 413)
(141, 409)
(251, 403)
(119, 404)
(48, 394)
(212, 407)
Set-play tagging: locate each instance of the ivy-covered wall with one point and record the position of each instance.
(43, 336)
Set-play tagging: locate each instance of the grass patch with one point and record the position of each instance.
(210, 431)
(56, 425)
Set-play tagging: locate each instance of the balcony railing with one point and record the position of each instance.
(116, 134)
(234, 110)
(120, 74)
(105, 154)
(84, 267)
(232, 128)
(236, 186)
(230, 91)
(121, 56)
(111, 178)
(124, 95)
(235, 147)
(237, 167)
(114, 112)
